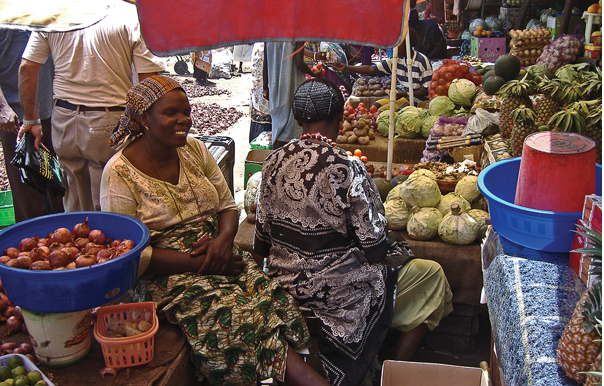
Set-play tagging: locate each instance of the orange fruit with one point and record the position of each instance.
(489, 33)
(592, 8)
(363, 158)
(479, 28)
(348, 152)
(476, 33)
(358, 153)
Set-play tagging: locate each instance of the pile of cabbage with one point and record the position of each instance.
(418, 206)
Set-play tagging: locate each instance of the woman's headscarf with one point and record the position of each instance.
(140, 97)
(316, 100)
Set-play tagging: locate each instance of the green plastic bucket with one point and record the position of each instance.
(7, 210)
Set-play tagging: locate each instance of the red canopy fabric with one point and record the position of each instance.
(183, 26)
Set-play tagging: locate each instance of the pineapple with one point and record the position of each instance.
(551, 103)
(581, 343)
(593, 129)
(514, 93)
(524, 124)
(580, 346)
(593, 378)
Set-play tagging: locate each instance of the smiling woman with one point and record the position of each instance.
(239, 323)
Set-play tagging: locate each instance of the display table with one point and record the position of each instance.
(403, 150)
(170, 365)
(530, 295)
(461, 263)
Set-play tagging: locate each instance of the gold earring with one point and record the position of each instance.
(147, 127)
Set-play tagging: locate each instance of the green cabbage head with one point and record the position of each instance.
(423, 223)
(397, 213)
(452, 198)
(421, 191)
(441, 105)
(462, 91)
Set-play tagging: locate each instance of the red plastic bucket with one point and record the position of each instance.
(556, 171)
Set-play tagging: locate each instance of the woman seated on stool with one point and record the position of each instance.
(321, 226)
(242, 327)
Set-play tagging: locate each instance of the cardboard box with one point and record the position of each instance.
(486, 48)
(472, 153)
(253, 163)
(576, 25)
(579, 261)
(395, 373)
(592, 212)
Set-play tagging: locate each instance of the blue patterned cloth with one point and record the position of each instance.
(531, 296)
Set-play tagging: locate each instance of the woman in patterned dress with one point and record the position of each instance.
(321, 226)
(242, 327)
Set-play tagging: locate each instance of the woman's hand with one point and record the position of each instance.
(218, 254)
(338, 66)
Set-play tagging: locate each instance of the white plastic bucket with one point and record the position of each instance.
(59, 340)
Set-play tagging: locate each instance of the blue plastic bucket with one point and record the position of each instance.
(74, 289)
(532, 228)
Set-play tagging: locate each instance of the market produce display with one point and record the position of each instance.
(211, 119)
(528, 44)
(359, 124)
(514, 93)
(16, 372)
(65, 249)
(449, 71)
(371, 86)
(561, 51)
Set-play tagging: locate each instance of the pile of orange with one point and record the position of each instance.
(595, 7)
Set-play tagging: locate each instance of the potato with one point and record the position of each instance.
(346, 126)
(358, 124)
(358, 93)
(360, 132)
(342, 139)
(361, 81)
(363, 140)
(372, 81)
(362, 88)
(367, 93)
(352, 139)
(379, 92)
(371, 134)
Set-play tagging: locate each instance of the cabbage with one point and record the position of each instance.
(477, 22)
(462, 91)
(441, 105)
(494, 23)
(427, 125)
(397, 213)
(423, 223)
(420, 191)
(481, 203)
(407, 122)
(452, 198)
(466, 35)
(467, 187)
(423, 173)
(383, 122)
(458, 228)
(481, 218)
(252, 188)
(394, 193)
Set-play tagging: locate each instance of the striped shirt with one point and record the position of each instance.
(421, 71)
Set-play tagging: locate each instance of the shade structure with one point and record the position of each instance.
(182, 26)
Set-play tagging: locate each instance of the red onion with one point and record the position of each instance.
(71, 265)
(106, 254)
(5, 259)
(31, 358)
(123, 251)
(96, 236)
(44, 242)
(92, 249)
(25, 261)
(12, 252)
(115, 243)
(27, 347)
(14, 263)
(85, 260)
(81, 242)
(38, 254)
(56, 246)
(69, 244)
(13, 324)
(72, 252)
(19, 350)
(58, 259)
(99, 261)
(61, 235)
(7, 346)
(4, 302)
(128, 244)
(1, 286)
(27, 244)
(82, 229)
(24, 328)
(17, 312)
(8, 311)
(41, 265)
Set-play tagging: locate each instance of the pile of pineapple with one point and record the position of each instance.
(527, 45)
(580, 346)
(571, 101)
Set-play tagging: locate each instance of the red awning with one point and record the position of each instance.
(182, 26)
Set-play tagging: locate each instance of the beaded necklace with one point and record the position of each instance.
(319, 137)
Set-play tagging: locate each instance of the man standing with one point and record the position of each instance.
(27, 202)
(93, 73)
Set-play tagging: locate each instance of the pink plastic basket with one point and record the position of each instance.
(127, 351)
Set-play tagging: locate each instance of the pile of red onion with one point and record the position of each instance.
(65, 249)
(14, 322)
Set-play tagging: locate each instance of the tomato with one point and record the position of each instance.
(440, 90)
(358, 153)
(373, 109)
(447, 85)
(449, 76)
(442, 81)
(464, 69)
(350, 110)
(361, 104)
(319, 65)
(364, 159)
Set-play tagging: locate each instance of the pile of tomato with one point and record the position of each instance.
(450, 70)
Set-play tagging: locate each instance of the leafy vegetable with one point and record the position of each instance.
(407, 122)
(452, 198)
(462, 91)
(428, 123)
(458, 227)
(397, 213)
(481, 218)
(467, 187)
(423, 223)
(441, 105)
(383, 123)
(420, 191)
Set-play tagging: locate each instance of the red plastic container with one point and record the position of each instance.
(556, 171)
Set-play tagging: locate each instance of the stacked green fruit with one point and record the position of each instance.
(15, 374)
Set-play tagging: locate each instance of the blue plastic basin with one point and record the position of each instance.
(74, 289)
(532, 228)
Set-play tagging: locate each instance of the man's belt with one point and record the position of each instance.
(71, 106)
